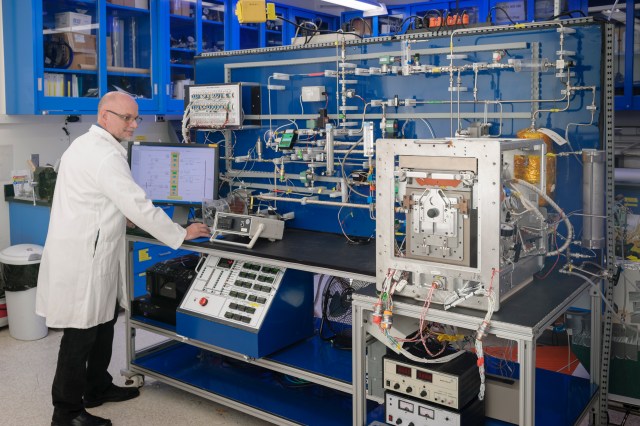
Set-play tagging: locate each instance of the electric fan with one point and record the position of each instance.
(336, 311)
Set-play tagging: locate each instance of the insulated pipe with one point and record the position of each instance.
(593, 198)
(312, 201)
(329, 149)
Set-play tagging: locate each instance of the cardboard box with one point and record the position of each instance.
(109, 52)
(186, 8)
(76, 22)
(175, 7)
(83, 47)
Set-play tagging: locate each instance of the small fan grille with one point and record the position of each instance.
(336, 310)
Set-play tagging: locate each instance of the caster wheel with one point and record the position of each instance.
(135, 381)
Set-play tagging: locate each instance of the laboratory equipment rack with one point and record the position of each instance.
(522, 319)
(340, 394)
(247, 384)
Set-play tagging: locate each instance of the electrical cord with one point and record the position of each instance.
(407, 19)
(318, 31)
(366, 23)
(568, 13)
(506, 14)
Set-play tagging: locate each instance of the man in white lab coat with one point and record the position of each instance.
(83, 263)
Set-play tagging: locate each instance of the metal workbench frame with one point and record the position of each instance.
(132, 324)
(524, 336)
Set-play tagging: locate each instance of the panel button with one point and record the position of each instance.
(261, 300)
(228, 315)
(245, 320)
(249, 310)
(252, 297)
(203, 301)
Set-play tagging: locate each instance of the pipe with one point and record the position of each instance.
(311, 201)
(593, 200)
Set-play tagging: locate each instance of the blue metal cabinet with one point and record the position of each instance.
(477, 12)
(626, 52)
(189, 29)
(28, 223)
(274, 33)
(59, 61)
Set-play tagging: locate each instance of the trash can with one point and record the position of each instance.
(19, 267)
(4, 321)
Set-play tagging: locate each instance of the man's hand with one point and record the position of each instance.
(197, 230)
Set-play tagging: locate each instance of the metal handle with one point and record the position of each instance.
(248, 245)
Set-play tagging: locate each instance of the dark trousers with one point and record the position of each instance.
(83, 360)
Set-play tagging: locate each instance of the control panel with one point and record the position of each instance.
(452, 384)
(233, 291)
(402, 410)
(247, 307)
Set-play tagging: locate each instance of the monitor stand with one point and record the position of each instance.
(181, 215)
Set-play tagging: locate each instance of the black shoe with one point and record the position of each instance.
(113, 394)
(82, 419)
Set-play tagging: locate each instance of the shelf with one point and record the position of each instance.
(312, 359)
(69, 71)
(209, 22)
(182, 18)
(184, 66)
(122, 71)
(252, 385)
(127, 8)
(316, 356)
(183, 50)
(278, 32)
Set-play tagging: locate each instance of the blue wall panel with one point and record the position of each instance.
(500, 91)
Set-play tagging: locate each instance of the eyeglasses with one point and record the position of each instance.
(127, 118)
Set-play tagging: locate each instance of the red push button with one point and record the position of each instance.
(203, 301)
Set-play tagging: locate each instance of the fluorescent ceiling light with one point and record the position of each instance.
(381, 9)
(357, 4)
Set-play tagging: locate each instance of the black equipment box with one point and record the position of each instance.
(167, 282)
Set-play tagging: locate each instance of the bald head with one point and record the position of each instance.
(117, 112)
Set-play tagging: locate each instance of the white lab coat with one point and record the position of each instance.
(82, 271)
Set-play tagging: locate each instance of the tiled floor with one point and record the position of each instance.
(26, 374)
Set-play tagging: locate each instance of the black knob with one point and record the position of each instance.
(411, 424)
(433, 212)
(423, 393)
(396, 386)
(409, 389)
(399, 421)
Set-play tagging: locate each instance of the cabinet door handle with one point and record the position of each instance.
(155, 88)
(39, 84)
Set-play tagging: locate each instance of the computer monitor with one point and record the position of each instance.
(181, 175)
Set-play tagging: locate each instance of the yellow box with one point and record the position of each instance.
(251, 11)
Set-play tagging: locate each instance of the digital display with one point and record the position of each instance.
(402, 370)
(175, 173)
(424, 376)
